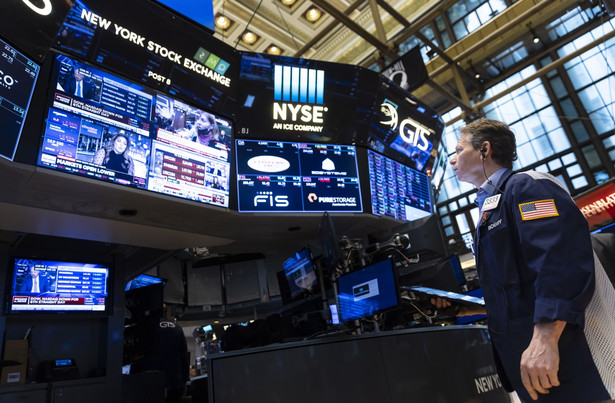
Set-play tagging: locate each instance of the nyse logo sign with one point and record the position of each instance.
(298, 94)
(268, 199)
(410, 131)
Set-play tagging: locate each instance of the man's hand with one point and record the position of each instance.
(540, 361)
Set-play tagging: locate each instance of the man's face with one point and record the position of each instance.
(33, 272)
(78, 75)
(467, 162)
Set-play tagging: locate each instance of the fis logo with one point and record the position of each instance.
(410, 131)
(212, 61)
(269, 199)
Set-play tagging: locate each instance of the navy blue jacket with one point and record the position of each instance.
(535, 264)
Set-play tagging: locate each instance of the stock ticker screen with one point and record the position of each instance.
(397, 190)
(277, 176)
(17, 77)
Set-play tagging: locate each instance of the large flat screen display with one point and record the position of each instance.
(56, 286)
(297, 177)
(403, 128)
(17, 78)
(367, 291)
(147, 43)
(296, 99)
(397, 190)
(104, 127)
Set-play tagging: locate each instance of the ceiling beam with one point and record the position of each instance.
(338, 15)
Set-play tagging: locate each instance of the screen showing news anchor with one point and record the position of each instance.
(297, 177)
(191, 153)
(44, 285)
(98, 125)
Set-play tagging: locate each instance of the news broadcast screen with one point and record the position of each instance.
(17, 78)
(403, 128)
(191, 153)
(297, 177)
(397, 190)
(46, 285)
(104, 127)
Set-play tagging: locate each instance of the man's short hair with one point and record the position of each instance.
(498, 134)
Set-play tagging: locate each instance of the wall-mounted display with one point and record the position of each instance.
(297, 177)
(17, 78)
(397, 190)
(104, 127)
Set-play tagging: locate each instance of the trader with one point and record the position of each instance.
(553, 335)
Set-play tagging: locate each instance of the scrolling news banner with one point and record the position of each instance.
(59, 286)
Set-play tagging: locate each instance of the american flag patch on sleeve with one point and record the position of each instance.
(538, 209)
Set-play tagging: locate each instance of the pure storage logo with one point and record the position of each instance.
(298, 94)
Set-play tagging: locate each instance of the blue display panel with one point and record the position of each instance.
(367, 291)
(45, 285)
(17, 77)
(396, 190)
(297, 177)
(143, 280)
(104, 127)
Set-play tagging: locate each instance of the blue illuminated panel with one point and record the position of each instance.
(297, 177)
(397, 190)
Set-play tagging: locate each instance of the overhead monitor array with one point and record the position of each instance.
(127, 103)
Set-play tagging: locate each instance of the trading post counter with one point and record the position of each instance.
(433, 364)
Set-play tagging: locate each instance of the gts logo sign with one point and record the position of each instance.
(269, 199)
(43, 9)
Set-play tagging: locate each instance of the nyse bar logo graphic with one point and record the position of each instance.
(298, 94)
(410, 131)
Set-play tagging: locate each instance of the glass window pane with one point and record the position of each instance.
(558, 87)
(446, 220)
(597, 67)
(526, 155)
(472, 22)
(453, 206)
(579, 182)
(542, 147)
(574, 170)
(463, 202)
(555, 164)
(591, 156)
(590, 98)
(578, 129)
(579, 77)
(462, 223)
(609, 142)
(559, 140)
(569, 159)
(449, 231)
(539, 96)
(602, 120)
(570, 111)
(459, 29)
(474, 214)
(443, 210)
(549, 119)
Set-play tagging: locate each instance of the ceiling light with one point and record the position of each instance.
(313, 14)
(223, 22)
(249, 37)
(288, 2)
(274, 50)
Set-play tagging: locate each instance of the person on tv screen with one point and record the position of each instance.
(115, 155)
(549, 301)
(77, 85)
(34, 283)
(205, 129)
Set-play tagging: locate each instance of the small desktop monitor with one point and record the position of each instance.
(143, 280)
(55, 286)
(367, 291)
(329, 242)
(299, 276)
